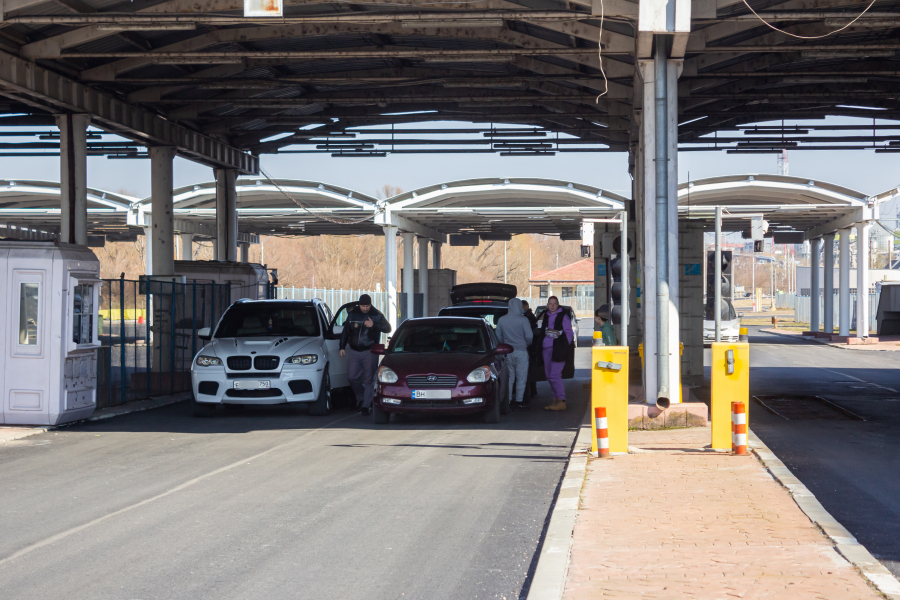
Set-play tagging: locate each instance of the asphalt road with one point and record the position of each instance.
(268, 504)
(851, 466)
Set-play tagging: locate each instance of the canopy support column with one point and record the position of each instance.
(390, 275)
(815, 247)
(828, 308)
(73, 177)
(162, 240)
(862, 279)
(423, 274)
(436, 255)
(408, 274)
(226, 214)
(187, 246)
(844, 284)
(245, 252)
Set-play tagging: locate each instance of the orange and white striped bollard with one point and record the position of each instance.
(602, 431)
(740, 428)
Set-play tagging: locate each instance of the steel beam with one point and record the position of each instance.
(43, 88)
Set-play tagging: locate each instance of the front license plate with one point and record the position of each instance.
(431, 394)
(251, 384)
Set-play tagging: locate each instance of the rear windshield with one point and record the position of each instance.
(418, 339)
(269, 319)
(491, 315)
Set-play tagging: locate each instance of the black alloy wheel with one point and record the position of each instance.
(322, 406)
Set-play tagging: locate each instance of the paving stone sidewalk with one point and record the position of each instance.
(669, 522)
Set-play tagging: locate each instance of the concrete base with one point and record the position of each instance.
(853, 340)
(818, 334)
(686, 414)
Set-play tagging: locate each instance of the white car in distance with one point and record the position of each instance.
(730, 325)
(270, 352)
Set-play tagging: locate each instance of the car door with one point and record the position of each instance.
(337, 365)
(500, 363)
(333, 332)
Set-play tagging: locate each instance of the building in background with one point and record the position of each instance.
(569, 281)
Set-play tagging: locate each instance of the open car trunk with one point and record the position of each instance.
(485, 292)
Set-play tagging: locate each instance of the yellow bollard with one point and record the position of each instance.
(730, 383)
(609, 389)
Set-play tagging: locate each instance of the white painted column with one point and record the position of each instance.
(828, 305)
(815, 245)
(187, 246)
(390, 274)
(148, 250)
(844, 284)
(73, 177)
(436, 255)
(408, 272)
(862, 279)
(162, 247)
(245, 252)
(226, 215)
(647, 223)
(423, 274)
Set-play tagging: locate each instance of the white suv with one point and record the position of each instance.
(270, 352)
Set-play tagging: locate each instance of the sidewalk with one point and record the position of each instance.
(670, 520)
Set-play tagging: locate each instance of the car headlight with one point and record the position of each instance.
(208, 361)
(387, 375)
(479, 375)
(304, 359)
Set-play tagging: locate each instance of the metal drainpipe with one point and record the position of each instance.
(662, 234)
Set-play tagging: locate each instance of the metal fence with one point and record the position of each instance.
(801, 306)
(148, 335)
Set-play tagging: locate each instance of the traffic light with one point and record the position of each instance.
(726, 283)
(618, 293)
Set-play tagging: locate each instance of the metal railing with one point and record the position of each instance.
(801, 306)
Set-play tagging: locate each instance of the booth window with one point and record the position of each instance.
(83, 322)
(28, 314)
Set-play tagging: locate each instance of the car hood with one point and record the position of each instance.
(435, 363)
(262, 345)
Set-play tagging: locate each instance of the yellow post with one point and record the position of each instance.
(730, 383)
(609, 388)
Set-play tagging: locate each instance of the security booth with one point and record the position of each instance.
(49, 292)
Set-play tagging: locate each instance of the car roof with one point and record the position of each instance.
(459, 320)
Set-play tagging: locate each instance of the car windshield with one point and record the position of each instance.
(729, 316)
(421, 338)
(489, 314)
(254, 319)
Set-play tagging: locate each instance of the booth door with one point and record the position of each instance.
(27, 337)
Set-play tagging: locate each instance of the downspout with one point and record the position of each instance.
(662, 234)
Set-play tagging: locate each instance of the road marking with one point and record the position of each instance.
(64, 534)
(861, 380)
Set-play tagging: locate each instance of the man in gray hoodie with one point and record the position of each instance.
(514, 329)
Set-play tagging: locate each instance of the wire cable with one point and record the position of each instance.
(811, 37)
(309, 211)
(600, 55)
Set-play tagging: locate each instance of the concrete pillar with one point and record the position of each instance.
(844, 284)
(390, 275)
(828, 307)
(162, 247)
(245, 252)
(423, 274)
(226, 215)
(187, 246)
(73, 177)
(436, 255)
(408, 273)
(815, 247)
(862, 279)
(148, 250)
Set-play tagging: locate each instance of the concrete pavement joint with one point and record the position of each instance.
(845, 543)
(549, 580)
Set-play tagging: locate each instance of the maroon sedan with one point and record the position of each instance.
(442, 365)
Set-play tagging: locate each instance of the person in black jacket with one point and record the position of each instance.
(532, 384)
(362, 330)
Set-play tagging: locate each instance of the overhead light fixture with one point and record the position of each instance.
(470, 59)
(514, 153)
(514, 134)
(146, 26)
(197, 60)
(837, 53)
(356, 154)
(412, 24)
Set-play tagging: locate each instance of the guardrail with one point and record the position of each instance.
(801, 307)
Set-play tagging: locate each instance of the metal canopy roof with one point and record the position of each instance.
(171, 67)
(787, 203)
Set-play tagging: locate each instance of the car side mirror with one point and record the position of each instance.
(204, 334)
(740, 315)
(377, 349)
(503, 349)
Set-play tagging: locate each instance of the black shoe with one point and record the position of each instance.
(364, 412)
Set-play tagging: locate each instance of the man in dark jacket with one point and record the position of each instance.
(362, 330)
(529, 314)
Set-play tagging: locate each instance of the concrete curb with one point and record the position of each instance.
(813, 340)
(549, 581)
(18, 435)
(137, 406)
(844, 542)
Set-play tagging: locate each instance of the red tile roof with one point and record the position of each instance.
(578, 272)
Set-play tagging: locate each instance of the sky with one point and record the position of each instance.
(861, 170)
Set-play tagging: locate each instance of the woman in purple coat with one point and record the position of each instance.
(556, 330)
